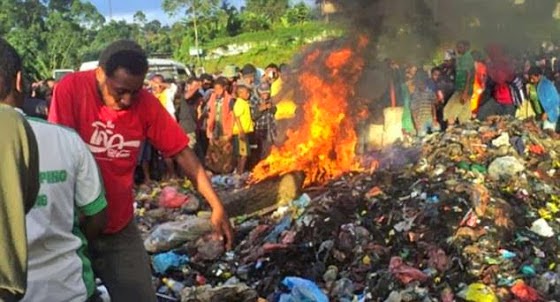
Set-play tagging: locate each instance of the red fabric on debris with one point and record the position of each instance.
(536, 149)
(405, 273)
(524, 292)
(438, 259)
(170, 198)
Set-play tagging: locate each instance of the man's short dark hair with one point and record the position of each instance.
(284, 67)
(435, 69)
(222, 81)
(272, 65)
(158, 76)
(50, 79)
(124, 54)
(206, 77)
(10, 65)
(248, 69)
(535, 71)
(192, 80)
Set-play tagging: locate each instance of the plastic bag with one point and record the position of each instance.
(206, 293)
(505, 167)
(170, 198)
(541, 227)
(478, 292)
(405, 273)
(209, 247)
(172, 234)
(524, 292)
(302, 290)
(165, 261)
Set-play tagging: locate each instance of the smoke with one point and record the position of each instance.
(412, 30)
(419, 31)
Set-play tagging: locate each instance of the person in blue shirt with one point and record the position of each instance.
(548, 98)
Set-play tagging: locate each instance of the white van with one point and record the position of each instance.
(168, 68)
(58, 74)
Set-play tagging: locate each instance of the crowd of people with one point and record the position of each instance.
(230, 118)
(471, 84)
(66, 186)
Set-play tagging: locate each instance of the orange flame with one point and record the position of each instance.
(323, 147)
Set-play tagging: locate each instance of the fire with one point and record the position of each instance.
(323, 146)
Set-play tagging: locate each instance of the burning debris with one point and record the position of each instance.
(470, 214)
(323, 145)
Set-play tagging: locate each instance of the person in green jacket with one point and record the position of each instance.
(19, 177)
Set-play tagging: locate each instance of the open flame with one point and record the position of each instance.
(323, 146)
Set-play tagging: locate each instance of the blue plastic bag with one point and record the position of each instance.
(302, 290)
(165, 261)
(282, 226)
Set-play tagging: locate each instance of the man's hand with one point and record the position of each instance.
(242, 135)
(222, 227)
(194, 171)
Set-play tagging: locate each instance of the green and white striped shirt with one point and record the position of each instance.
(70, 186)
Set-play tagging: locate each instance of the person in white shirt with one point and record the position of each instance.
(70, 207)
(70, 203)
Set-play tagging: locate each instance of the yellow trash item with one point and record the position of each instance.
(478, 292)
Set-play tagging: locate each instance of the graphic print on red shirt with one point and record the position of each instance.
(114, 137)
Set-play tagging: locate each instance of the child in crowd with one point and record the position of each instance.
(243, 125)
(423, 106)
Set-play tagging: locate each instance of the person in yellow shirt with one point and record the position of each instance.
(165, 93)
(285, 105)
(243, 125)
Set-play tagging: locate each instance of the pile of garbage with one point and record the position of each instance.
(471, 214)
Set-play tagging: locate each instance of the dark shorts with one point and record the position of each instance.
(145, 154)
(241, 147)
(122, 263)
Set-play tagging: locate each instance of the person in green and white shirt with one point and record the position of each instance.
(71, 202)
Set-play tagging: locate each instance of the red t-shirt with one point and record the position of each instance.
(114, 137)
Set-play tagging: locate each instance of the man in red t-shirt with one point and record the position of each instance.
(113, 114)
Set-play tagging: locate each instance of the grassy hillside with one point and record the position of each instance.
(277, 45)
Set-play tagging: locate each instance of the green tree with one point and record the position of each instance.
(193, 9)
(253, 22)
(269, 9)
(140, 18)
(298, 14)
(233, 22)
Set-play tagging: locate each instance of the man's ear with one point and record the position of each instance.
(19, 82)
(100, 75)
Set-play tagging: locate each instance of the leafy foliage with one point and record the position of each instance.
(53, 34)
